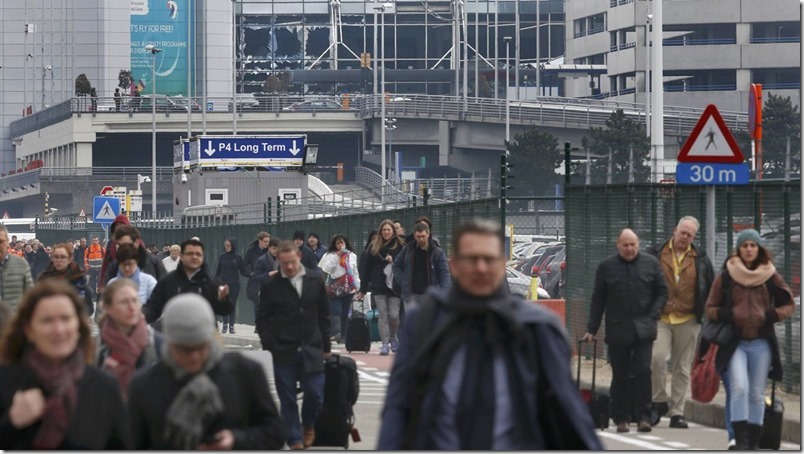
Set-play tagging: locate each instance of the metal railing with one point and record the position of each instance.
(698, 41)
(775, 39)
(548, 111)
(686, 88)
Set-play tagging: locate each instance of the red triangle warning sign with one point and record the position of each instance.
(711, 141)
(5, 215)
(83, 213)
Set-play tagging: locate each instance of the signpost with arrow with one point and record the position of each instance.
(249, 151)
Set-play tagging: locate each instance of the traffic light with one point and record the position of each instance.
(505, 174)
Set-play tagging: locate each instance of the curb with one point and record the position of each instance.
(713, 414)
(241, 341)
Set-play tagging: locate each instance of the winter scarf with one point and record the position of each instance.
(196, 406)
(126, 350)
(749, 278)
(343, 262)
(72, 273)
(59, 382)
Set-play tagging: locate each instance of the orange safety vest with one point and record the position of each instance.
(93, 256)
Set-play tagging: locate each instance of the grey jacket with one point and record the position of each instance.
(16, 280)
(632, 294)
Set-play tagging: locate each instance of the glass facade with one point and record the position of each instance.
(282, 35)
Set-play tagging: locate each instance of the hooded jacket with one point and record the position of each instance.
(231, 265)
(320, 250)
(147, 263)
(253, 253)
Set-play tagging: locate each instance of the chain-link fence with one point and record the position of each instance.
(596, 214)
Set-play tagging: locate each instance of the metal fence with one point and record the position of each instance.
(355, 226)
(596, 214)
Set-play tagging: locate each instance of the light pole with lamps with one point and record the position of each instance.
(381, 9)
(45, 70)
(140, 180)
(153, 50)
(507, 40)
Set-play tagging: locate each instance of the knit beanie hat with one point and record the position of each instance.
(748, 235)
(188, 320)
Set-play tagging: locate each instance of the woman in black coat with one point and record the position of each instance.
(62, 267)
(375, 275)
(46, 372)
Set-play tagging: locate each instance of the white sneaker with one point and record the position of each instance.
(732, 445)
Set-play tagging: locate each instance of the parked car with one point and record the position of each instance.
(550, 272)
(313, 105)
(165, 104)
(245, 101)
(548, 253)
(519, 284)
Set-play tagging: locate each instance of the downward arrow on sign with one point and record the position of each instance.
(209, 150)
(294, 150)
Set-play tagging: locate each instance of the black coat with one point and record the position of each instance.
(259, 275)
(40, 262)
(249, 411)
(287, 323)
(372, 275)
(231, 266)
(78, 256)
(177, 282)
(632, 294)
(309, 259)
(99, 421)
(253, 253)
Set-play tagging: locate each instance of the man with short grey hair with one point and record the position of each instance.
(689, 276)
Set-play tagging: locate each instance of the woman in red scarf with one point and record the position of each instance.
(50, 398)
(62, 267)
(126, 343)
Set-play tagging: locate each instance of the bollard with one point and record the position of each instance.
(534, 288)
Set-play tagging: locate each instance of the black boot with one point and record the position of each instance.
(754, 434)
(740, 435)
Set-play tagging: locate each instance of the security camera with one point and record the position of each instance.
(183, 178)
(48, 68)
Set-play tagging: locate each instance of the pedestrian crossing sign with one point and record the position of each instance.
(711, 141)
(105, 209)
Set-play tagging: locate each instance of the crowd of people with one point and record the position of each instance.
(475, 366)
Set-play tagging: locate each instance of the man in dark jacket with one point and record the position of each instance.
(421, 264)
(41, 259)
(264, 267)
(148, 263)
(256, 249)
(309, 259)
(199, 397)
(445, 391)
(689, 275)
(190, 276)
(293, 322)
(230, 267)
(78, 252)
(314, 243)
(631, 290)
(111, 250)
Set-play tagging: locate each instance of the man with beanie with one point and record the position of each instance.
(198, 397)
(630, 288)
(293, 324)
(689, 275)
(308, 257)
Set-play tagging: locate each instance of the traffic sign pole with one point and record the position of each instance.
(710, 221)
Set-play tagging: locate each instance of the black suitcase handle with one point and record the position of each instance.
(594, 363)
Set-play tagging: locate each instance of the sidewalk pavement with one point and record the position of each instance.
(710, 414)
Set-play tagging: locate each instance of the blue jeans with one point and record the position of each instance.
(748, 376)
(339, 307)
(286, 375)
(729, 430)
(234, 292)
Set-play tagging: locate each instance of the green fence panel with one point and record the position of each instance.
(596, 214)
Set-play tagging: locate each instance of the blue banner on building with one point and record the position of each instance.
(167, 25)
(249, 151)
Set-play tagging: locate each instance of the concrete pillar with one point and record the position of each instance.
(83, 154)
(443, 142)
(743, 34)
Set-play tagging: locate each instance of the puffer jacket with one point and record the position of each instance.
(16, 280)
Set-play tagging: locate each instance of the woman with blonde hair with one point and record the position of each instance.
(49, 393)
(126, 343)
(377, 279)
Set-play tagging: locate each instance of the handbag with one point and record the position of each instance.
(719, 333)
(337, 287)
(704, 379)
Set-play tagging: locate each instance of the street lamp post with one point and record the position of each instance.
(234, 67)
(153, 50)
(381, 9)
(507, 81)
(140, 180)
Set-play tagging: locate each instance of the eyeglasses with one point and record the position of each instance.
(60, 257)
(473, 260)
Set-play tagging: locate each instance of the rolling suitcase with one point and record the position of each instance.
(772, 424)
(358, 334)
(374, 325)
(599, 401)
(336, 417)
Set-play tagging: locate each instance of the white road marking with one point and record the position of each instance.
(368, 377)
(370, 402)
(649, 437)
(383, 373)
(368, 368)
(677, 444)
(633, 441)
(360, 363)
